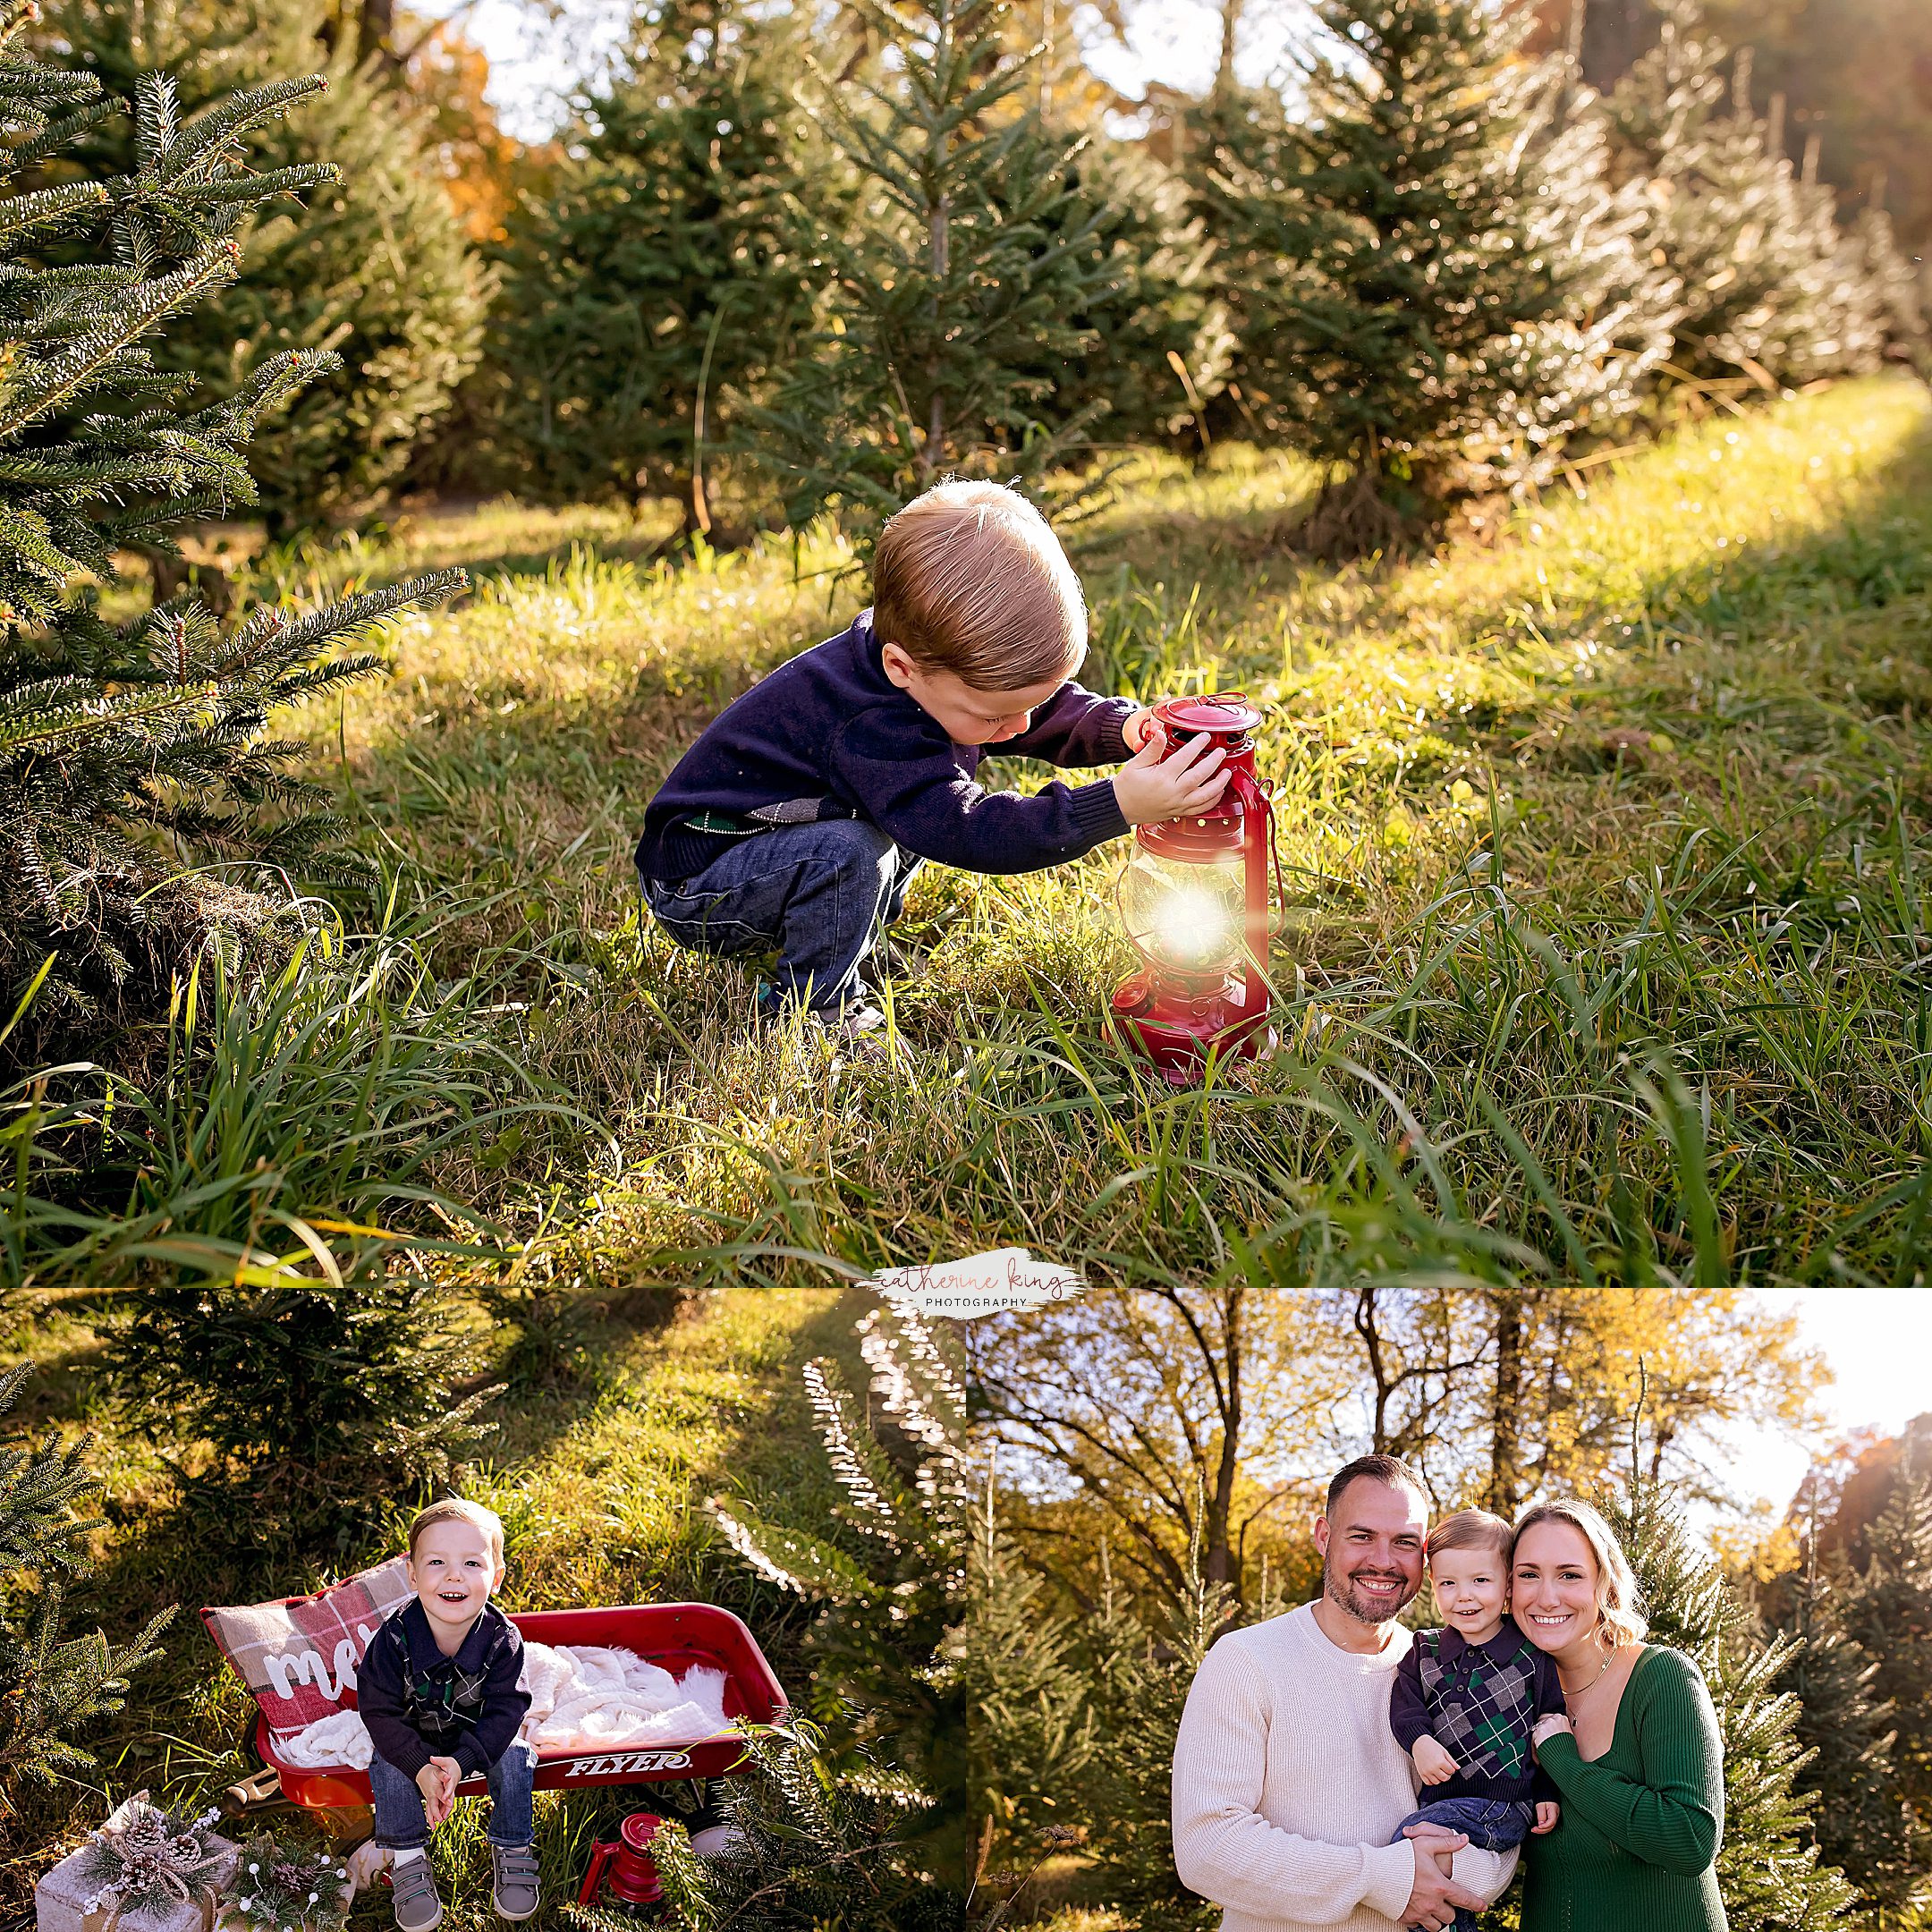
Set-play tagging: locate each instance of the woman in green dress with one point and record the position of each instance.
(1638, 1763)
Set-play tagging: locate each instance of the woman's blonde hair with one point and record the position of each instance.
(1618, 1606)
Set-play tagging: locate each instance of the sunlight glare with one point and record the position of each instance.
(1193, 929)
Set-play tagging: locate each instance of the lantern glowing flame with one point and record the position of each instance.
(1187, 918)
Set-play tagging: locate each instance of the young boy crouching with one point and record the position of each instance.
(437, 1690)
(799, 816)
(1464, 1699)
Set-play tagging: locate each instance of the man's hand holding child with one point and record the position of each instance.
(437, 1781)
(1151, 788)
(1434, 1897)
(1434, 1765)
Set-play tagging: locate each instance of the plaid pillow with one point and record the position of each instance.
(298, 1656)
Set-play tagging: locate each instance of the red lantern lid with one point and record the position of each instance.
(639, 1828)
(1218, 711)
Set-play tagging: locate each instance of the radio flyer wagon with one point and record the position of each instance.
(673, 1636)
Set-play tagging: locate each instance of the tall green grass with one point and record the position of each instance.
(314, 1118)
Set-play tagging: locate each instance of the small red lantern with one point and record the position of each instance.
(1194, 902)
(625, 1867)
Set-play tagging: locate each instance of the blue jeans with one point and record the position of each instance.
(1492, 1826)
(819, 893)
(403, 1826)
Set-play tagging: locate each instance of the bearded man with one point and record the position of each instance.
(1288, 1783)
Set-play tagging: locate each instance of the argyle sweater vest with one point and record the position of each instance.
(1479, 1702)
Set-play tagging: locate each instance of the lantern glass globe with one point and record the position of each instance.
(1188, 918)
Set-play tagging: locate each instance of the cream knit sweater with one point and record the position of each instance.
(1288, 1783)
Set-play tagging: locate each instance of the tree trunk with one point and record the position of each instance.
(1218, 1551)
(1230, 14)
(1505, 1479)
(935, 373)
(1616, 34)
(1367, 1327)
(377, 35)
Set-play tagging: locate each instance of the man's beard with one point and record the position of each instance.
(1341, 1592)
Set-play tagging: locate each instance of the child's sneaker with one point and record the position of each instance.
(516, 1891)
(843, 1026)
(413, 1885)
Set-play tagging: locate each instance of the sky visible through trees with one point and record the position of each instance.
(535, 59)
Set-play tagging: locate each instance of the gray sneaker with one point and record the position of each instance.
(517, 1889)
(417, 1906)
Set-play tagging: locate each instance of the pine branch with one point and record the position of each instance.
(33, 393)
(47, 207)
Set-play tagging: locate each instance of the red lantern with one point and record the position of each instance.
(625, 1867)
(1194, 902)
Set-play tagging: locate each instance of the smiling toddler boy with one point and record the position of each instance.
(1464, 1699)
(797, 819)
(437, 1690)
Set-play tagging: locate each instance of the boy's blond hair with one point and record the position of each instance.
(455, 1509)
(969, 579)
(1470, 1529)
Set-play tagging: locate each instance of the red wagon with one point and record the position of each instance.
(673, 1636)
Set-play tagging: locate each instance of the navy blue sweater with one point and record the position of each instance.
(1479, 1702)
(420, 1704)
(829, 735)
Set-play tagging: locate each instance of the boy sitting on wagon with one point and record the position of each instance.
(437, 1690)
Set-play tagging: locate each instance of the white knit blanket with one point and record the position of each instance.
(582, 1699)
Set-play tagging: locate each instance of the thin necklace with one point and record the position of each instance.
(1570, 1696)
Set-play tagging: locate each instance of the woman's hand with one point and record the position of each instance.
(1547, 1726)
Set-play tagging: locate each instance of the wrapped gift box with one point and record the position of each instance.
(61, 1898)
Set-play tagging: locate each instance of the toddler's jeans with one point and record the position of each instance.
(1491, 1824)
(401, 1825)
(819, 893)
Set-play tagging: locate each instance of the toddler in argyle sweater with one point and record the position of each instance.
(1465, 1698)
(438, 1690)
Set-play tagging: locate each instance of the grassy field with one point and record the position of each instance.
(1605, 843)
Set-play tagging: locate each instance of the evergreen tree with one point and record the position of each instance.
(1769, 1866)
(1888, 1613)
(322, 1403)
(1141, 1671)
(56, 1686)
(1032, 1730)
(1898, 286)
(1769, 288)
(814, 1846)
(373, 266)
(951, 287)
(888, 1587)
(1431, 283)
(125, 748)
(1153, 305)
(652, 270)
(1861, 1822)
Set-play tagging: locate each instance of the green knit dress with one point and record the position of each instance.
(1636, 1848)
